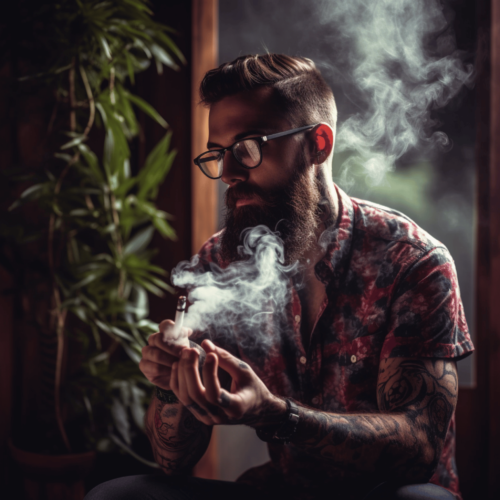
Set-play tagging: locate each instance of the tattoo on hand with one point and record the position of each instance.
(224, 399)
(197, 408)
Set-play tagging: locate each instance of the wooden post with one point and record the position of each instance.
(204, 54)
(494, 299)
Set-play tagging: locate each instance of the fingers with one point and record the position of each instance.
(156, 366)
(156, 355)
(211, 379)
(157, 374)
(156, 340)
(238, 369)
(186, 383)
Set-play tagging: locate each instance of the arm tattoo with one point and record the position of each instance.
(416, 399)
(177, 438)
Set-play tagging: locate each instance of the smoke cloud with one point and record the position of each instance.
(401, 63)
(244, 299)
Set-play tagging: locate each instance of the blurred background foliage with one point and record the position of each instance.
(77, 236)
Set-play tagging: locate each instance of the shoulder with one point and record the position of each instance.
(385, 223)
(387, 235)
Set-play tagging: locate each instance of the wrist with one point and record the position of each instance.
(285, 429)
(166, 396)
(274, 412)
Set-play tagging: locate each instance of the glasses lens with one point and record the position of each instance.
(247, 152)
(211, 164)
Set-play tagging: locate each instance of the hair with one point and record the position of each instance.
(298, 86)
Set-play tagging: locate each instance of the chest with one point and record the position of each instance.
(312, 298)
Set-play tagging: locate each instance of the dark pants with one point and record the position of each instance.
(159, 487)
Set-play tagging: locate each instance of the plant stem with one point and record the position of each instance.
(90, 97)
(72, 100)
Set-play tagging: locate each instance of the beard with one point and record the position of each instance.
(292, 212)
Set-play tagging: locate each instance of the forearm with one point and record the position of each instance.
(177, 438)
(377, 443)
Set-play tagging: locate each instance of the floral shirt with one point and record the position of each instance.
(391, 291)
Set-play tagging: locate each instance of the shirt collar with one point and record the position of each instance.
(337, 241)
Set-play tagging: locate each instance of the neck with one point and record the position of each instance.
(328, 213)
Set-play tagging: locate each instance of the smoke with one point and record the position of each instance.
(401, 63)
(244, 299)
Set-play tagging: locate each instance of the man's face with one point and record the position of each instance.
(281, 192)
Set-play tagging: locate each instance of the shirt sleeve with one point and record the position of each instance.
(427, 316)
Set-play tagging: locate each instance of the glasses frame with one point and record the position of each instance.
(260, 140)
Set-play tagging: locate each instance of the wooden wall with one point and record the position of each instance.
(478, 410)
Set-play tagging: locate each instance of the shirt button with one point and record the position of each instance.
(353, 359)
(297, 318)
(303, 360)
(315, 401)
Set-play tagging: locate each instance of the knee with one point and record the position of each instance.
(123, 488)
(428, 491)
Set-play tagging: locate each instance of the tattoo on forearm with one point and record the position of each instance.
(177, 438)
(416, 400)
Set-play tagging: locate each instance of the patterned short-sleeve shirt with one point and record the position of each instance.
(391, 291)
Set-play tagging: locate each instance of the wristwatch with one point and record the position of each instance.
(285, 430)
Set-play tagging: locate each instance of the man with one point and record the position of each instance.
(357, 398)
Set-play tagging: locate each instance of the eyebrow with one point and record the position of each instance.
(258, 132)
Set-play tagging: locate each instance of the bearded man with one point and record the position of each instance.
(357, 400)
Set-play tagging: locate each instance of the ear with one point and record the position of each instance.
(323, 138)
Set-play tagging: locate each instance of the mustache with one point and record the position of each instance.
(243, 190)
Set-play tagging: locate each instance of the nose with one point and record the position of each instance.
(232, 171)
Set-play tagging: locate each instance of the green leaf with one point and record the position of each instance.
(130, 68)
(120, 333)
(91, 160)
(164, 228)
(156, 167)
(163, 57)
(139, 242)
(126, 110)
(147, 108)
(74, 142)
(133, 355)
(125, 187)
(149, 286)
(105, 46)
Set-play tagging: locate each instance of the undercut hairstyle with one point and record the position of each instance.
(298, 86)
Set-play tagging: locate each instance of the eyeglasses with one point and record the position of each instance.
(247, 152)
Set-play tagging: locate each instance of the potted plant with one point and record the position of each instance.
(76, 238)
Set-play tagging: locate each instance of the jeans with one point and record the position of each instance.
(160, 487)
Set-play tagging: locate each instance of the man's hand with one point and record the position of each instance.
(250, 402)
(159, 356)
